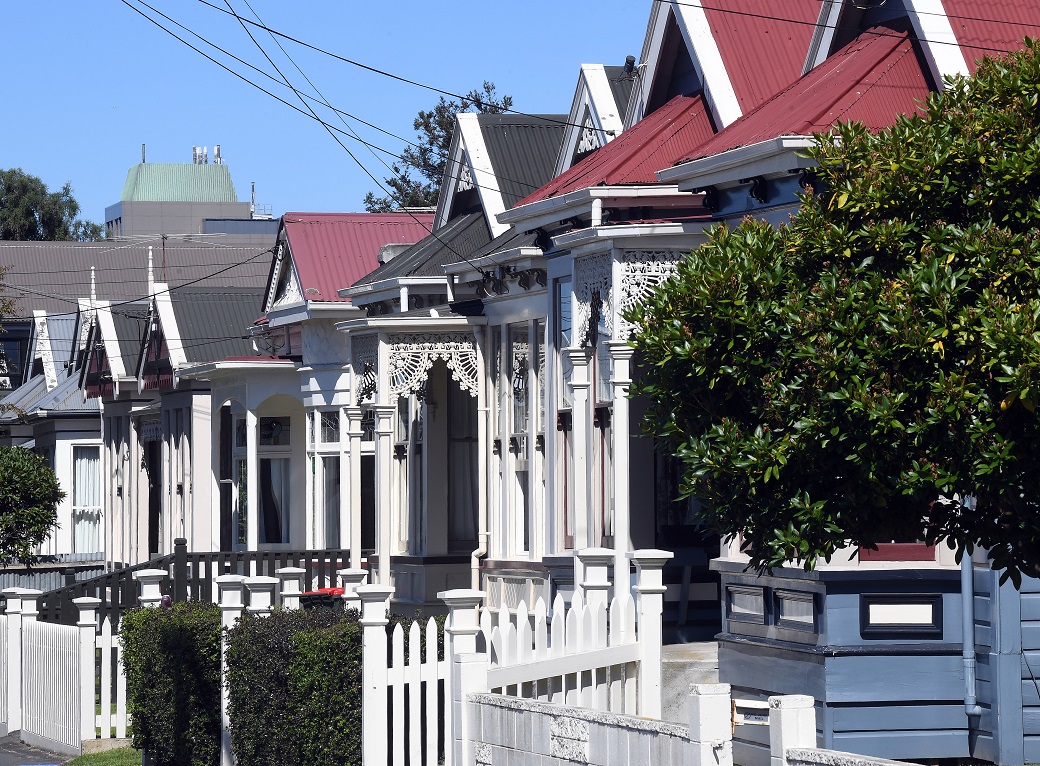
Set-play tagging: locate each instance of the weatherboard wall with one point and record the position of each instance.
(887, 692)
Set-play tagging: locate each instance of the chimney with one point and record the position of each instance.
(216, 155)
(142, 154)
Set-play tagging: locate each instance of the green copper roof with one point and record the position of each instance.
(178, 182)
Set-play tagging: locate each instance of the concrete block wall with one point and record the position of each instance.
(518, 732)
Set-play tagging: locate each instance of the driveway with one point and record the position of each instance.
(14, 753)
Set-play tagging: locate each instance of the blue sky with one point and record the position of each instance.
(88, 82)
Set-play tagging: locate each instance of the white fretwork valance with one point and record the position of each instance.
(364, 362)
(641, 272)
(592, 284)
(412, 356)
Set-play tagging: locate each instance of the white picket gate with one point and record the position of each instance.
(51, 686)
(586, 655)
(413, 682)
(110, 684)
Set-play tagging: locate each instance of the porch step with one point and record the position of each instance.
(681, 665)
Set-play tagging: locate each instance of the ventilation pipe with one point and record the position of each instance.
(971, 706)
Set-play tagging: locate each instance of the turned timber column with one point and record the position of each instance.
(354, 415)
(621, 354)
(580, 422)
(252, 484)
(384, 497)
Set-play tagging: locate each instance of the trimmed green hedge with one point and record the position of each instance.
(172, 662)
(294, 682)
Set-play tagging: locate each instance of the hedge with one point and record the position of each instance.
(172, 662)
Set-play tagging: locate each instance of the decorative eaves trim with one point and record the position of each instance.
(774, 156)
(549, 212)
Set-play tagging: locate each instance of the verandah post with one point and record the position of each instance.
(649, 631)
(460, 637)
(87, 624)
(230, 596)
(375, 603)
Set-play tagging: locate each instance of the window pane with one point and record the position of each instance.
(274, 432)
(86, 500)
(330, 474)
(275, 498)
(330, 427)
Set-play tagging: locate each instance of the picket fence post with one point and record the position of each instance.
(595, 563)
(87, 624)
(21, 603)
(350, 580)
(150, 583)
(292, 585)
(710, 715)
(375, 603)
(230, 593)
(792, 723)
(460, 637)
(650, 592)
(261, 594)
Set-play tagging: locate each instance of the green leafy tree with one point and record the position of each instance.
(417, 178)
(841, 379)
(30, 212)
(29, 497)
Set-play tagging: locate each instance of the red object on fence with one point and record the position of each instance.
(321, 597)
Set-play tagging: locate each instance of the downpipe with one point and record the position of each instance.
(971, 706)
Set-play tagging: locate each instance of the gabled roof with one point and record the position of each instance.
(52, 275)
(875, 78)
(331, 251)
(657, 141)
(23, 399)
(762, 50)
(212, 321)
(597, 112)
(66, 399)
(495, 160)
(178, 182)
(985, 29)
(462, 236)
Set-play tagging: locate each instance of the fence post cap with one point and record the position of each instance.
(791, 702)
(705, 689)
(87, 602)
(149, 574)
(352, 572)
(596, 555)
(375, 592)
(290, 571)
(17, 592)
(461, 597)
(649, 557)
(261, 580)
(229, 579)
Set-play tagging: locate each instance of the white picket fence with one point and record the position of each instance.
(60, 685)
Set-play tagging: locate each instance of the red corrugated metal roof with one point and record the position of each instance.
(984, 29)
(334, 250)
(762, 52)
(656, 141)
(872, 80)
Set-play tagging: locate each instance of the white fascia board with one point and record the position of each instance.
(772, 157)
(718, 88)
(211, 370)
(574, 130)
(551, 211)
(483, 171)
(823, 36)
(452, 172)
(604, 109)
(575, 241)
(303, 312)
(939, 43)
(168, 322)
(649, 58)
(108, 337)
(410, 324)
(376, 290)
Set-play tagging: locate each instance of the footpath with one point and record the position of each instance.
(14, 753)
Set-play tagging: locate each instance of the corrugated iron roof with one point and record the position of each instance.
(212, 321)
(67, 398)
(873, 79)
(523, 150)
(655, 142)
(461, 236)
(23, 398)
(334, 250)
(762, 53)
(178, 182)
(997, 25)
(53, 276)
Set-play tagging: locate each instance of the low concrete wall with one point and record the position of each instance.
(520, 732)
(809, 756)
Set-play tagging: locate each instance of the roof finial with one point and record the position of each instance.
(151, 277)
(93, 290)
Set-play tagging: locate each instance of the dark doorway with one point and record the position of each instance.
(153, 465)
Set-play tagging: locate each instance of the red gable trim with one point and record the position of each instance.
(654, 142)
(334, 250)
(873, 80)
